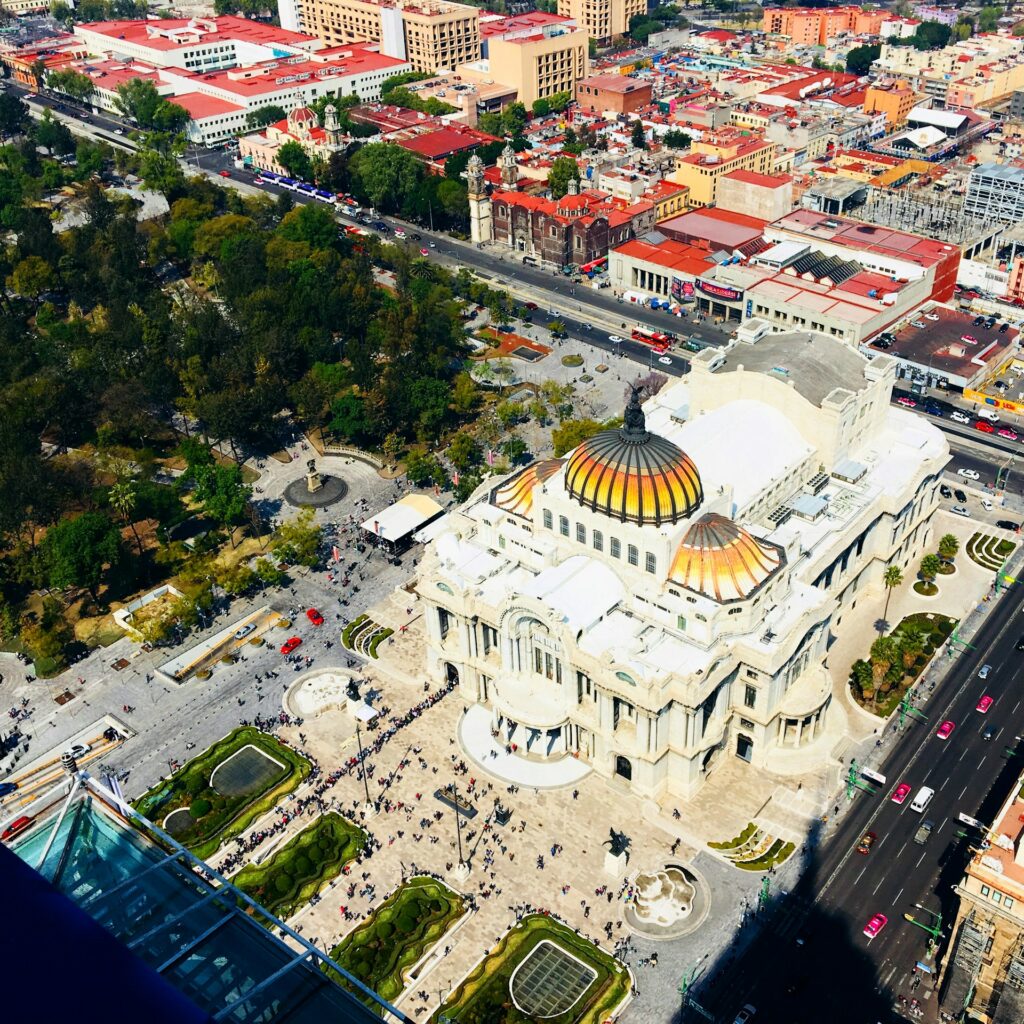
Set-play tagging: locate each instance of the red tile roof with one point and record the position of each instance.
(445, 141)
(199, 105)
(182, 32)
(753, 178)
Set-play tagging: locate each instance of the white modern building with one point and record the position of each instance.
(661, 598)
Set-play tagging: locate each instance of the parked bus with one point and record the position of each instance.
(656, 339)
(324, 197)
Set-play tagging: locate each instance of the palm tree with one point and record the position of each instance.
(885, 652)
(948, 547)
(123, 497)
(911, 641)
(930, 566)
(891, 579)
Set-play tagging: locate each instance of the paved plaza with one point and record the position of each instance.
(564, 821)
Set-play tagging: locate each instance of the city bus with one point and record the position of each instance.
(656, 339)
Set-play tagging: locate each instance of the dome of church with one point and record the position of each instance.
(302, 115)
(722, 561)
(633, 475)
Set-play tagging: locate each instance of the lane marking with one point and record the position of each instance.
(993, 643)
(898, 895)
(879, 886)
(962, 791)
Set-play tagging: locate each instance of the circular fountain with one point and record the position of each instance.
(667, 902)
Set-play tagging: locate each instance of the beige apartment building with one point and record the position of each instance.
(432, 35)
(550, 61)
(602, 20)
(983, 971)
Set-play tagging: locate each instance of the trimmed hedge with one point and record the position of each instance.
(286, 881)
(346, 633)
(396, 935)
(483, 997)
(378, 639)
(228, 815)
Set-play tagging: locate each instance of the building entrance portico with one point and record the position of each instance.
(545, 764)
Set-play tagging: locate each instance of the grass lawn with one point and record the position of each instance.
(217, 817)
(394, 937)
(483, 997)
(285, 882)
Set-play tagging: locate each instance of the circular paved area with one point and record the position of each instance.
(332, 489)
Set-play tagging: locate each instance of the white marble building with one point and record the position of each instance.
(662, 597)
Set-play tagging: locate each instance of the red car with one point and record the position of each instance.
(984, 427)
(314, 616)
(875, 925)
(289, 645)
(16, 827)
(984, 704)
(945, 730)
(908, 402)
(224, 174)
(901, 793)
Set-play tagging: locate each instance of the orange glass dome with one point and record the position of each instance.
(516, 494)
(633, 475)
(722, 561)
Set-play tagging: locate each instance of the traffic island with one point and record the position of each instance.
(396, 936)
(541, 969)
(287, 880)
(221, 792)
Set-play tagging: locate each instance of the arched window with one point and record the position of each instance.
(624, 768)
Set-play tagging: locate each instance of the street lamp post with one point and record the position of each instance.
(370, 809)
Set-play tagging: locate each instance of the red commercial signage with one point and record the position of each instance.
(720, 291)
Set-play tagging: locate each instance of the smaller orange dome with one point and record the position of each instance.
(516, 494)
(722, 561)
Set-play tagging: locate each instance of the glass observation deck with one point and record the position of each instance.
(185, 921)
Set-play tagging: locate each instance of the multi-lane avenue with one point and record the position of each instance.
(814, 954)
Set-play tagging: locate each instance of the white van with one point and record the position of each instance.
(923, 799)
(988, 414)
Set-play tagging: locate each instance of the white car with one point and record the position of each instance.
(665, 361)
(615, 339)
(986, 504)
(77, 750)
(961, 510)
(969, 474)
(960, 417)
(918, 323)
(242, 633)
(930, 316)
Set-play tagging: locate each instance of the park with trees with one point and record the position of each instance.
(126, 408)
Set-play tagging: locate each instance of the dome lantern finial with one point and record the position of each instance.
(634, 425)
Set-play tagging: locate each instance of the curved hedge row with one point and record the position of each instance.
(483, 995)
(227, 815)
(394, 937)
(300, 868)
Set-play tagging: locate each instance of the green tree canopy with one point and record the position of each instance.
(295, 160)
(570, 433)
(72, 83)
(297, 541)
(860, 58)
(563, 170)
(76, 551)
(262, 116)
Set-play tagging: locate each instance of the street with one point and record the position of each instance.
(824, 958)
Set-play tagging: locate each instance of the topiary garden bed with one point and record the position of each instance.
(285, 882)
(225, 813)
